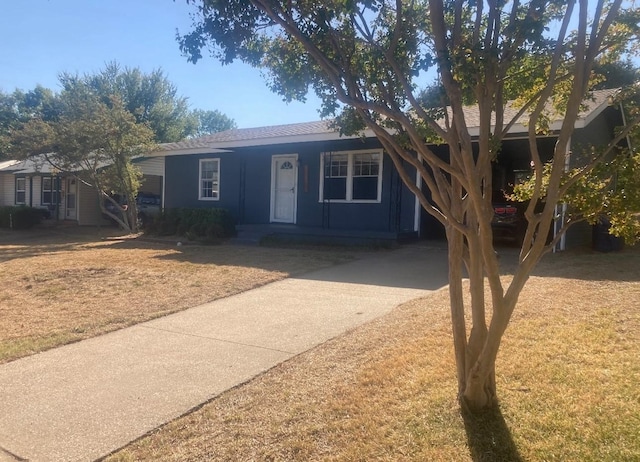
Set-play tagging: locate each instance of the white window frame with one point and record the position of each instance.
(350, 175)
(201, 180)
(23, 190)
(55, 193)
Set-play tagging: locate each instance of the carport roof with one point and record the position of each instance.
(592, 106)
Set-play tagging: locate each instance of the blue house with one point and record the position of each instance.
(301, 178)
(306, 179)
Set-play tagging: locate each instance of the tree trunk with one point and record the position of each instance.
(456, 247)
(478, 393)
(480, 390)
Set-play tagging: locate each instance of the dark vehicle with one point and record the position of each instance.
(149, 206)
(506, 221)
(115, 208)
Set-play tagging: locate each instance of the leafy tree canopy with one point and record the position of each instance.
(212, 122)
(151, 97)
(19, 107)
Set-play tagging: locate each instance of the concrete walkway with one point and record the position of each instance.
(82, 401)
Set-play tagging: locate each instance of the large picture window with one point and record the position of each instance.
(50, 190)
(21, 190)
(351, 176)
(209, 183)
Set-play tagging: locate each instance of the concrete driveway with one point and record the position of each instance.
(85, 400)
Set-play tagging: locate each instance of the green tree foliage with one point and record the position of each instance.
(19, 107)
(8, 121)
(151, 97)
(212, 122)
(616, 74)
(365, 60)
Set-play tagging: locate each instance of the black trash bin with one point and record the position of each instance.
(603, 241)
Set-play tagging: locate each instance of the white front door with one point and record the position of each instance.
(284, 181)
(71, 198)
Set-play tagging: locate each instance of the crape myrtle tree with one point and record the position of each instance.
(365, 60)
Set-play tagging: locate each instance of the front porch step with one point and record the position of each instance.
(246, 240)
(250, 235)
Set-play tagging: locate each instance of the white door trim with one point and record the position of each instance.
(293, 158)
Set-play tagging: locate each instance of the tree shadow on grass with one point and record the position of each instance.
(489, 438)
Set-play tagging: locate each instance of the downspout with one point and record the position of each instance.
(326, 203)
(417, 207)
(30, 191)
(58, 183)
(242, 188)
(164, 181)
(329, 202)
(77, 204)
(398, 218)
(98, 205)
(558, 224)
(624, 124)
(391, 217)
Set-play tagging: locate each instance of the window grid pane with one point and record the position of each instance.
(21, 190)
(352, 176)
(366, 165)
(209, 173)
(336, 166)
(50, 188)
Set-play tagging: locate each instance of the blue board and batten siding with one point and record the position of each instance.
(245, 188)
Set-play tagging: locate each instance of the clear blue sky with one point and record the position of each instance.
(41, 38)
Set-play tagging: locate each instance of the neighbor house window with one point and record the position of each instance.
(351, 176)
(21, 190)
(50, 190)
(209, 179)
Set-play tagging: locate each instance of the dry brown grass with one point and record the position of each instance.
(568, 376)
(59, 287)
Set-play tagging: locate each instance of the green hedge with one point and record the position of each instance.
(20, 217)
(209, 225)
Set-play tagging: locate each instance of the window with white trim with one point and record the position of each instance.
(50, 190)
(21, 190)
(351, 176)
(209, 180)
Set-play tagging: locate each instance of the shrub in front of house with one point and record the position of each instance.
(208, 225)
(20, 217)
